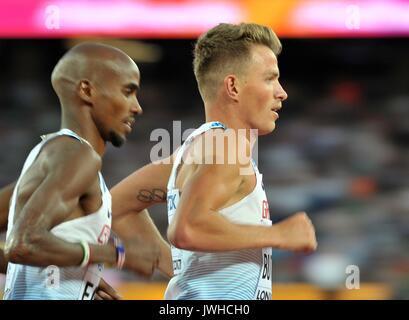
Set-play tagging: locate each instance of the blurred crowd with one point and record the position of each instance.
(340, 151)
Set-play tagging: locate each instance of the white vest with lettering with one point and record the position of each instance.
(232, 275)
(25, 282)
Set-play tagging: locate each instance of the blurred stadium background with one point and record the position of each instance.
(340, 150)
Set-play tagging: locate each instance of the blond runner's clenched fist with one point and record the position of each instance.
(297, 233)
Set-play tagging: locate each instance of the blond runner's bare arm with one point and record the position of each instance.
(140, 190)
(143, 188)
(198, 225)
(141, 224)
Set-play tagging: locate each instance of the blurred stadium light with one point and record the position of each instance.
(189, 18)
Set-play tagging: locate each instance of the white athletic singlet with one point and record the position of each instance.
(232, 275)
(25, 282)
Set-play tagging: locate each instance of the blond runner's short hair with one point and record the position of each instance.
(225, 49)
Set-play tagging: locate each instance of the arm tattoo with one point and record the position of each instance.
(147, 196)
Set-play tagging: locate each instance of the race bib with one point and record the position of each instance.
(264, 291)
(91, 281)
